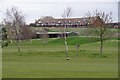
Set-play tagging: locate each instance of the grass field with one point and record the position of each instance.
(38, 61)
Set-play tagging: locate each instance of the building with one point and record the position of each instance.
(71, 22)
(56, 34)
(61, 22)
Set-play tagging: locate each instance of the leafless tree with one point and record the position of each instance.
(47, 17)
(14, 22)
(27, 33)
(44, 18)
(99, 23)
(67, 13)
(44, 36)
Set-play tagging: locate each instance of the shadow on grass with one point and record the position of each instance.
(91, 54)
(98, 55)
(72, 53)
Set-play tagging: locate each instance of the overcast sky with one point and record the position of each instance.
(34, 9)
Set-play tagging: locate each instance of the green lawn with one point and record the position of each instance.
(38, 61)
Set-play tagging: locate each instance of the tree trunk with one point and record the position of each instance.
(77, 46)
(77, 51)
(18, 46)
(11, 41)
(66, 45)
(66, 49)
(101, 45)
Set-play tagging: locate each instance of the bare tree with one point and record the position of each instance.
(27, 34)
(44, 18)
(14, 22)
(47, 17)
(10, 32)
(67, 13)
(44, 36)
(99, 24)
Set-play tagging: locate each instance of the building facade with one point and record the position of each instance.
(70, 22)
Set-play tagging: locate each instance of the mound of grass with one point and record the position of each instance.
(58, 41)
(74, 40)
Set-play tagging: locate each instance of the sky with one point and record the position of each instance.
(35, 9)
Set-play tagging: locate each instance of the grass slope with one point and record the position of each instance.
(50, 61)
(74, 40)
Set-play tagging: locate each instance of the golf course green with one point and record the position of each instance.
(38, 61)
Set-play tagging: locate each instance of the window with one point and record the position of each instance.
(59, 22)
(53, 23)
(78, 21)
(40, 22)
(47, 22)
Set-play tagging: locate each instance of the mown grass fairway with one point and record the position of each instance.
(38, 61)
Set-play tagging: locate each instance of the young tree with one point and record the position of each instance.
(14, 22)
(67, 13)
(98, 23)
(27, 34)
(44, 36)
